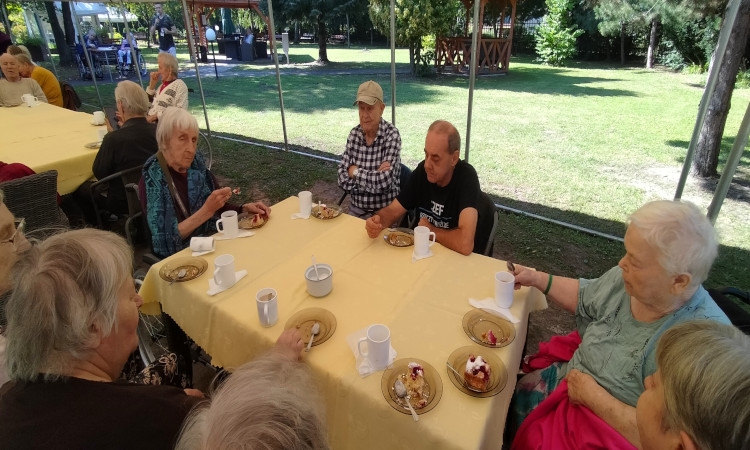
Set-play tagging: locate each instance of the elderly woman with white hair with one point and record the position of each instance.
(270, 403)
(180, 195)
(698, 397)
(72, 322)
(670, 247)
(171, 92)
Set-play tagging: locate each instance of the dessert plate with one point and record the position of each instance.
(477, 325)
(498, 374)
(399, 237)
(305, 319)
(400, 368)
(323, 211)
(93, 145)
(247, 221)
(194, 267)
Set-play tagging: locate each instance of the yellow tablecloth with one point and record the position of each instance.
(422, 303)
(48, 137)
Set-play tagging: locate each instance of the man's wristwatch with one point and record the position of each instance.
(355, 173)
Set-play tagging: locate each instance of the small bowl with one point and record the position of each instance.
(322, 287)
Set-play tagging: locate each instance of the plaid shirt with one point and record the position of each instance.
(371, 190)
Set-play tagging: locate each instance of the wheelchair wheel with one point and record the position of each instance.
(142, 65)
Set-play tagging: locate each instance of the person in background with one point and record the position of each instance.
(5, 42)
(697, 398)
(124, 55)
(443, 189)
(127, 147)
(249, 36)
(13, 86)
(164, 26)
(72, 320)
(92, 41)
(270, 403)
(46, 79)
(669, 249)
(180, 196)
(171, 92)
(370, 167)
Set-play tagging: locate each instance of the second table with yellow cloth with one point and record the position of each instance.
(422, 303)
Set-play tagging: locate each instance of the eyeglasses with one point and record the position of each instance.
(20, 224)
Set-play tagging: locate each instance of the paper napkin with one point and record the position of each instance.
(214, 289)
(488, 304)
(362, 364)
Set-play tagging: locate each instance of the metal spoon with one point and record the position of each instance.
(460, 377)
(180, 275)
(511, 267)
(313, 332)
(401, 392)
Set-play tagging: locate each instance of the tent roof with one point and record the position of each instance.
(209, 3)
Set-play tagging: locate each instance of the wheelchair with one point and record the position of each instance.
(84, 70)
(126, 70)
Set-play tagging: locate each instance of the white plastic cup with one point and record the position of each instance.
(227, 225)
(224, 275)
(423, 240)
(99, 117)
(305, 203)
(378, 341)
(29, 99)
(101, 133)
(504, 282)
(268, 306)
(202, 244)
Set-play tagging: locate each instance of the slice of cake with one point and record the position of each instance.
(416, 385)
(489, 337)
(477, 374)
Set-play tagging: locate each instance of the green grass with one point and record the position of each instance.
(587, 144)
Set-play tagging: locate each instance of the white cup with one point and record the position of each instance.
(202, 244)
(305, 203)
(29, 99)
(504, 282)
(101, 133)
(268, 306)
(423, 240)
(378, 346)
(224, 276)
(227, 225)
(98, 117)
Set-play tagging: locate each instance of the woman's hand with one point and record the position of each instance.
(524, 276)
(289, 344)
(153, 79)
(256, 208)
(217, 199)
(581, 387)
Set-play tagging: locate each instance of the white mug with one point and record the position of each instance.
(504, 282)
(227, 225)
(29, 99)
(268, 306)
(202, 244)
(224, 271)
(101, 133)
(305, 203)
(423, 240)
(99, 117)
(378, 346)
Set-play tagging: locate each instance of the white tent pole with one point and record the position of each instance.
(272, 41)
(133, 53)
(86, 54)
(191, 49)
(393, 62)
(477, 28)
(713, 76)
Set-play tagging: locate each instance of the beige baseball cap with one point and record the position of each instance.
(369, 92)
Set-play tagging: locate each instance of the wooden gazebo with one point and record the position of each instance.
(494, 53)
(198, 10)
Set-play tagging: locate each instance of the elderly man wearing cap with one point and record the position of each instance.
(443, 189)
(371, 166)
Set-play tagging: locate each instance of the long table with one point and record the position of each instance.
(46, 137)
(422, 303)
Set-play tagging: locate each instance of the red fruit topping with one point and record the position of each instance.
(472, 358)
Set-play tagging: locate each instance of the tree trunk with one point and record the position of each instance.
(412, 59)
(622, 43)
(63, 50)
(708, 147)
(652, 40)
(322, 40)
(70, 31)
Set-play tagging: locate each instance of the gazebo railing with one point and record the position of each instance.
(494, 54)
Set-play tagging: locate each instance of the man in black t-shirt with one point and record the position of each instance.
(163, 25)
(443, 189)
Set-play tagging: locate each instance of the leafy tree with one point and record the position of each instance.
(556, 37)
(66, 56)
(414, 20)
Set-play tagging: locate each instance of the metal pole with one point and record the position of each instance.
(86, 54)
(718, 58)
(477, 27)
(730, 167)
(213, 55)
(393, 61)
(191, 48)
(272, 41)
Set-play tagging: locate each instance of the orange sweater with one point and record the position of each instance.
(49, 84)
